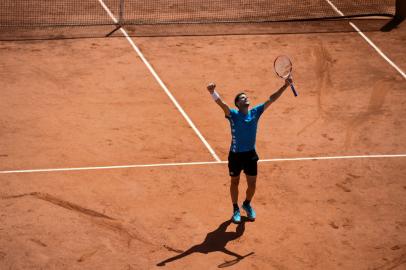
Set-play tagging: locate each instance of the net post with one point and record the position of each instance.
(400, 15)
(400, 9)
(120, 20)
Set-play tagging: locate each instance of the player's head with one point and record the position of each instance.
(241, 100)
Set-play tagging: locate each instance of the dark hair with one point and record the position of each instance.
(237, 97)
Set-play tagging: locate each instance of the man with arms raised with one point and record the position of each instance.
(242, 155)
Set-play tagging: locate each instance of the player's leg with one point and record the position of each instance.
(234, 167)
(251, 187)
(235, 181)
(250, 167)
(250, 170)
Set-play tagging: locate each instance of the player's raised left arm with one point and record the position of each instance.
(277, 94)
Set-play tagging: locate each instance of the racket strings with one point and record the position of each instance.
(283, 66)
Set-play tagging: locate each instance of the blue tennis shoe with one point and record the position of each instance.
(250, 211)
(236, 218)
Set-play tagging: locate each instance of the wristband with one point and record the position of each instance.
(215, 95)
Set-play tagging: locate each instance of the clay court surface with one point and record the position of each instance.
(93, 103)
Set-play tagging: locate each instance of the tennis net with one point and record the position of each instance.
(63, 18)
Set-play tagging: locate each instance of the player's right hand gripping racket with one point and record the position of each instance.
(283, 68)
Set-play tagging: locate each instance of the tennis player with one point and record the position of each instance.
(242, 155)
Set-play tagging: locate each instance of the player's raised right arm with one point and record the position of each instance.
(216, 97)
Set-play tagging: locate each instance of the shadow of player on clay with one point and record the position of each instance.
(215, 241)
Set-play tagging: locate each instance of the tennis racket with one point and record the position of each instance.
(283, 68)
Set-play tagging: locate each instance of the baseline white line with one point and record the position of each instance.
(333, 157)
(160, 82)
(196, 163)
(112, 167)
(369, 41)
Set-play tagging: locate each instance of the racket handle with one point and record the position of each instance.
(293, 89)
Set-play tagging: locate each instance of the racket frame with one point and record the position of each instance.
(289, 75)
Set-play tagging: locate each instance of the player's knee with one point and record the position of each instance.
(235, 181)
(251, 181)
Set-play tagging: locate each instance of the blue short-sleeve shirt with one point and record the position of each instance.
(244, 128)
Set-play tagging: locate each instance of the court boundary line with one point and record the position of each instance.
(369, 41)
(197, 163)
(161, 83)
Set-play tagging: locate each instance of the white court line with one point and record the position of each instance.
(197, 163)
(160, 82)
(369, 41)
(113, 167)
(332, 157)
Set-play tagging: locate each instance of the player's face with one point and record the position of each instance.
(243, 100)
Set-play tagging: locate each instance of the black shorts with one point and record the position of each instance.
(246, 161)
